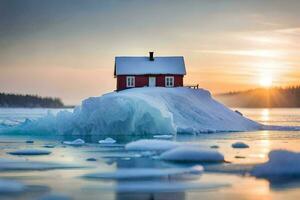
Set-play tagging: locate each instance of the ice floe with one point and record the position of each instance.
(192, 154)
(146, 173)
(282, 163)
(240, 145)
(77, 142)
(151, 145)
(107, 141)
(30, 152)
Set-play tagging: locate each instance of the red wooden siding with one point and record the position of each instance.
(143, 80)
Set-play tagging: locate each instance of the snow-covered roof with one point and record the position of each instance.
(143, 65)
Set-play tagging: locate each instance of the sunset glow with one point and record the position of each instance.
(223, 50)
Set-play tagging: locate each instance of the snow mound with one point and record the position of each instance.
(281, 163)
(77, 142)
(143, 173)
(192, 154)
(240, 145)
(107, 141)
(144, 111)
(9, 186)
(30, 152)
(151, 145)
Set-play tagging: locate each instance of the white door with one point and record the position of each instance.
(152, 81)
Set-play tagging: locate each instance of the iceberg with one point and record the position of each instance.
(107, 141)
(144, 111)
(77, 142)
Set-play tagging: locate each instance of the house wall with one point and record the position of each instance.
(143, 80)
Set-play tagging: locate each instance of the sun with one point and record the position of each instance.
(265, 81)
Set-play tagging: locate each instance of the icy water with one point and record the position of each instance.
(63, 173)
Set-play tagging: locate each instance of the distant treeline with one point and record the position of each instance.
(263, 97)
(29, 101)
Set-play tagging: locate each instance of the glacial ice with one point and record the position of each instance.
(282, 163)
(151, 145)
(144, 111)
(143, 173)
(192, 154)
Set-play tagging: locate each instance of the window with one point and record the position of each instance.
(130, 81)
(169, 81)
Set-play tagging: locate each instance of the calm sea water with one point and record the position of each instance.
(212, 184)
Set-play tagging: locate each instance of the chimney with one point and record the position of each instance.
(151, 57)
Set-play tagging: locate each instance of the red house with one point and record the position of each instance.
(149, 71)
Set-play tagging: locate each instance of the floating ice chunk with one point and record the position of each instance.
(29, 141)
(107, 141)
(49, 146)
(214, 146)
(11, 164)
(77, 142)
(142, 173)
(281, 163)
(9, 186)
(192, 154)
(163, 136)
(240, 145)
(151, 145)
(91, 159)
(30, 152)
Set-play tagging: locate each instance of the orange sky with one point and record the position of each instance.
(67, 48)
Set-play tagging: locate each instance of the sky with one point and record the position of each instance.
(66, 48)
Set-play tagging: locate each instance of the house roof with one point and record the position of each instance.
(142, 65)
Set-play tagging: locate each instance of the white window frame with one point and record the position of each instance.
(130, 81)
(169, 81)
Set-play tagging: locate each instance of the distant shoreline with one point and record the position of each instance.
(275, 97)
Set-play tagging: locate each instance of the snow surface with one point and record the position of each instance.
(142, 65)
(107, 141)
(240, 145)
(30, 152)
(192, 154)
(142, 111)
(142, 173)
(77, 142)
(151, 145)
(282, 163)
